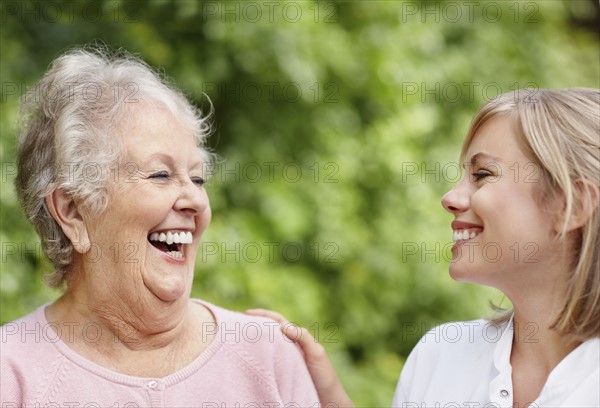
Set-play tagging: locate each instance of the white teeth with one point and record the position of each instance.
(170, 237)
(175, 254)
(461, 235)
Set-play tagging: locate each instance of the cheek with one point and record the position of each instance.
(205, 217)
(129, 219)
(500, 209)
(488, 203)
(145, 205)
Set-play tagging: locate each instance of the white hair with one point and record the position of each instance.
(69, 135)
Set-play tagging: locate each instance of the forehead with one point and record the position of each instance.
(496, 137)
(152, 129)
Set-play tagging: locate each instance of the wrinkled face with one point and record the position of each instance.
(501, 231)
(145, 243)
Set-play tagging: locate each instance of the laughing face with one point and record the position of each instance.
(504, 236)
(158, 209)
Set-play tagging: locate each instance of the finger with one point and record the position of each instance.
(293, 332)
(318, 363)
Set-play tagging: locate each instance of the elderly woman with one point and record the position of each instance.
(111, 171)
(530, 193)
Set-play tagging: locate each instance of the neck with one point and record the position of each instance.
(538, 295)
(140, 323)
(120, 326)
(534, 339)
(111, 321)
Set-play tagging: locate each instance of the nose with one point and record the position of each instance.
(192, 198)
(458, 199)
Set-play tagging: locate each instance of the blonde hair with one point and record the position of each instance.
(560, 131)
(69, 135)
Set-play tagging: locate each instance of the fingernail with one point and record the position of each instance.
(292, 332)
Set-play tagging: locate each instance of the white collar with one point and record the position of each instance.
(574, 368)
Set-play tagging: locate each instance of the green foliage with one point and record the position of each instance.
(339, 126)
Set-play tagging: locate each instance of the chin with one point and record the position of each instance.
(456, 276)
(462, 274)
(170, 291)
(476, 276)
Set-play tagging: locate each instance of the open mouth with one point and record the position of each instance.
(171, 242)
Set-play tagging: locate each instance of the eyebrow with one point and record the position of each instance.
(168, 159)
(479, 157)
(158, 156)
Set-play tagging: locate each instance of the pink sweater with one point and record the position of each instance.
(249, 364)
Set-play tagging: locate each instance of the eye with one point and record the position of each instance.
(161, 175)
(199, 181)
(480, 175)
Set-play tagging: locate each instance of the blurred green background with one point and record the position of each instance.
(339, 126)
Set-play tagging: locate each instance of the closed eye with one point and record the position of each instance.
(480, 175)
(199, 181)
(159, 175)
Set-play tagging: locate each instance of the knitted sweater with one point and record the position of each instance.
(248, 364)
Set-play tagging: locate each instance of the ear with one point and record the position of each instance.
(66, 213)
(586, 196)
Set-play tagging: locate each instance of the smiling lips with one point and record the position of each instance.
(462, 231)
(464, 234)
(171, 242)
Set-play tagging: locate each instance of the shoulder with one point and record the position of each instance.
(455, 342)
(251, 336)
(257, 347)
(255, 340)
(23, 336)
(456, 350)
(23, 344)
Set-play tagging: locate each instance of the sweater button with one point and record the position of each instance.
(153, 384)
(504, 393)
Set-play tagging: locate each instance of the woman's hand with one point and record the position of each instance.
(330, 389)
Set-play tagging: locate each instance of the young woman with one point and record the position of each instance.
(526, 222)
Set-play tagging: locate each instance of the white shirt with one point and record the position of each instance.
(467, 365)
